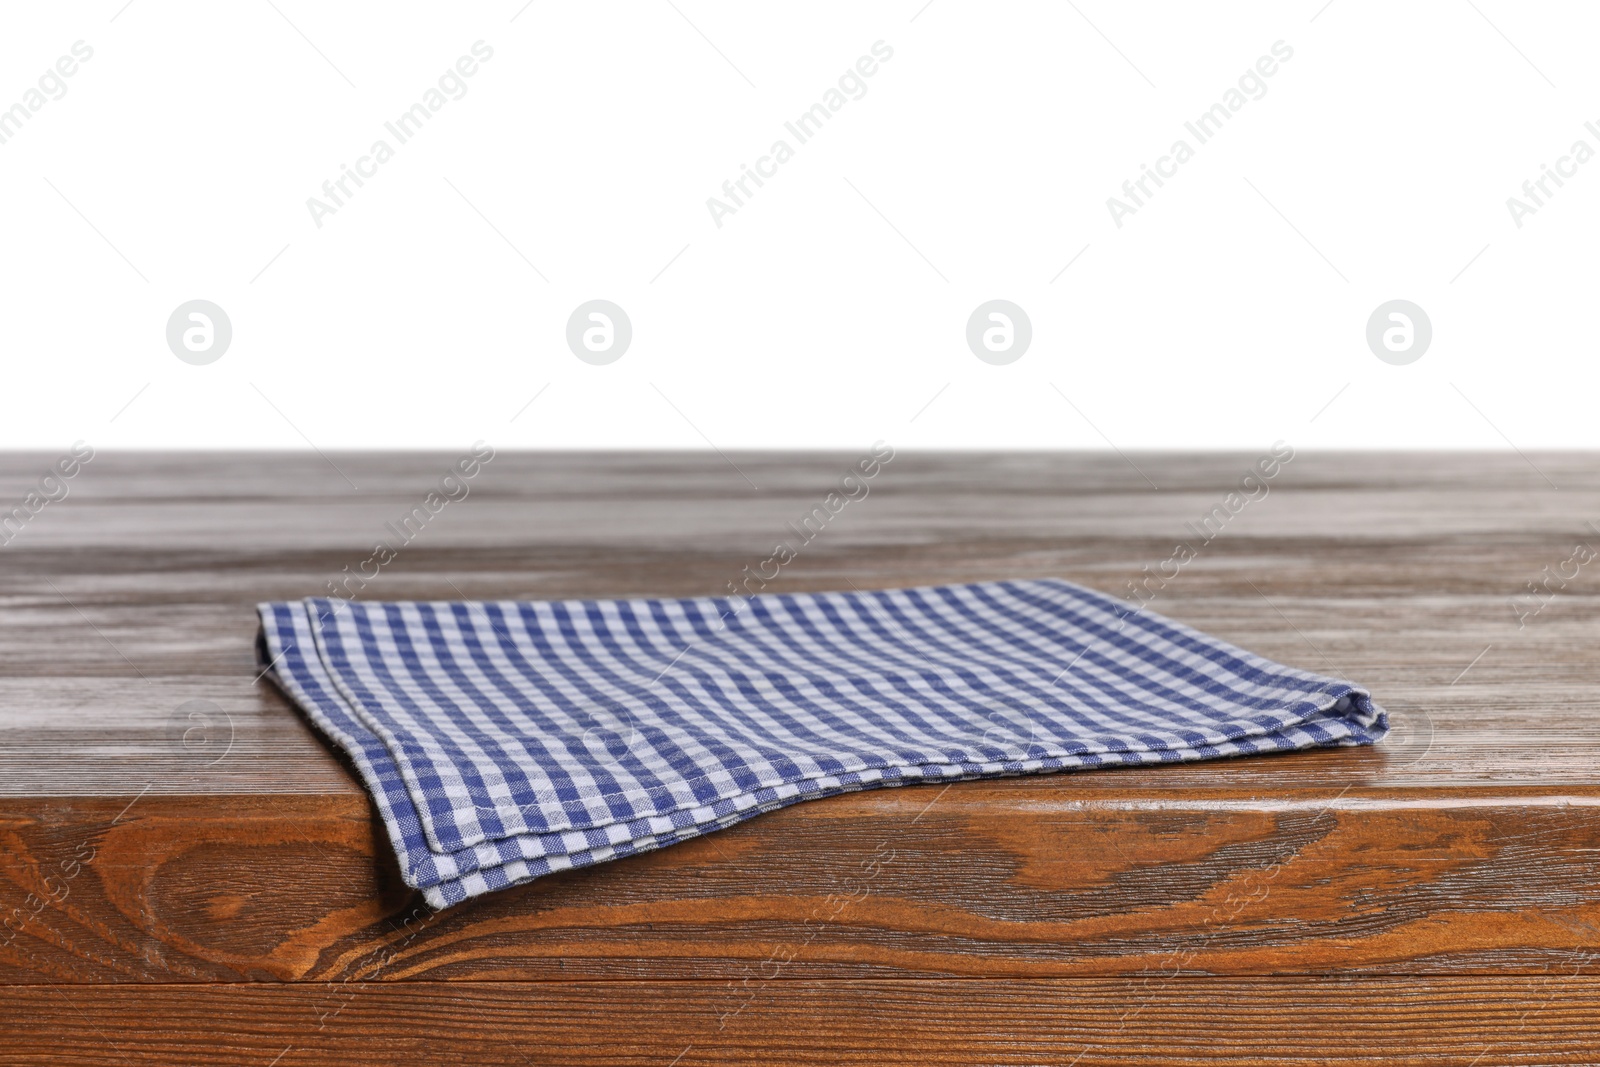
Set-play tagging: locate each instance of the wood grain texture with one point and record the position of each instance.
(983, 882)
(1433, 1022)
(139, 844)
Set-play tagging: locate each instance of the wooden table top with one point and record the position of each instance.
(150, 838)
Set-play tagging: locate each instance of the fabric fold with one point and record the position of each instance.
(505, 740)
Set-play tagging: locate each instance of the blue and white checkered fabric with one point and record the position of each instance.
(504, 740)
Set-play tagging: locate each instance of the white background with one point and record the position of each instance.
(830, 310)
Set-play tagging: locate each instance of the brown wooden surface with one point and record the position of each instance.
(1466, 845)
(1212, 1022)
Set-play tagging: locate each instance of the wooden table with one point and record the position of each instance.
(190, 875)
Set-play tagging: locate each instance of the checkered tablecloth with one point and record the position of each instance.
(504, 740)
